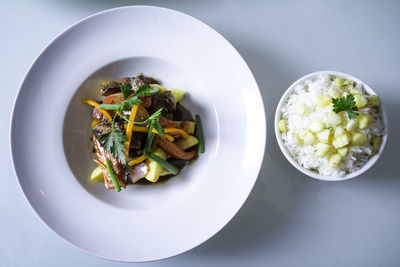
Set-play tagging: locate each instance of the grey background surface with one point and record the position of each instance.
(289, 219)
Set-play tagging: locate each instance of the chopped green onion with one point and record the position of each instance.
(149, 140)
(165, 164)
(110, 106)
(339, 82)
(199, 134)
(156, 125)
(112, 175)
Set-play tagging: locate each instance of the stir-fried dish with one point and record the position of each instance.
(141, 131)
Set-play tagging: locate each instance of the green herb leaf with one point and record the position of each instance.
(346, 104)
(130, 102)
(114, 142)
(126, 90)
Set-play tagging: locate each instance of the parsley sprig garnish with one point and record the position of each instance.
(114, 141)
(347, 104)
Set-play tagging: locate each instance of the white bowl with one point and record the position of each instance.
(50, 130)
(308, 172)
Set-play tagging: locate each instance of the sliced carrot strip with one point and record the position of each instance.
(94, 104)
(137, 160)
(176, 130)
(129, 129)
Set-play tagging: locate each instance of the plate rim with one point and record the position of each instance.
(262, 129)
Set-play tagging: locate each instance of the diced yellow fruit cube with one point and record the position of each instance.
(324, 136)
(323, 100)
(376, 144)
(178, 94)
(358, 139)
(374, 101)
(282, 126)
(335, 94)
(322, 149)
(187, 143)
(361, 101)
(343, 151)
(302, 133)
(348, 85)
(155, 169)
(191, 127)
(356, 91)
(334, 119)
(339, 130)
(297, 140)
(335, 160)
(341, 141)
(339, 82)
(316, 126)
(97, 175)
(352, 125)
(309, 138)
(364, 120)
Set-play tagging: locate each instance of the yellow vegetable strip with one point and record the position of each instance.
(129, 129)
(95, 122)
(176, 130)
(100, 163)
(146, 130)
(94, 104)
(137, 160)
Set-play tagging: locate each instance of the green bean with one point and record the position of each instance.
(112, 175)
(199, 133)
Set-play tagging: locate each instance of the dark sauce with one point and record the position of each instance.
(182, 113)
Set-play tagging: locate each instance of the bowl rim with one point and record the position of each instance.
(313, 174)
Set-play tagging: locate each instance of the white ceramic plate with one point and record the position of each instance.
(49, 134)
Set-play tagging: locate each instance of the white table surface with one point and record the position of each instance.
(289, 219)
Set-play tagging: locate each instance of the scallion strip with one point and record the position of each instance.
(149, 140)
(112, 175)
(156, 125)
(165, 164)
(199, 133)
(109, 106)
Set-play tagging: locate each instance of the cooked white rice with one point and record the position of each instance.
(307, 94)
